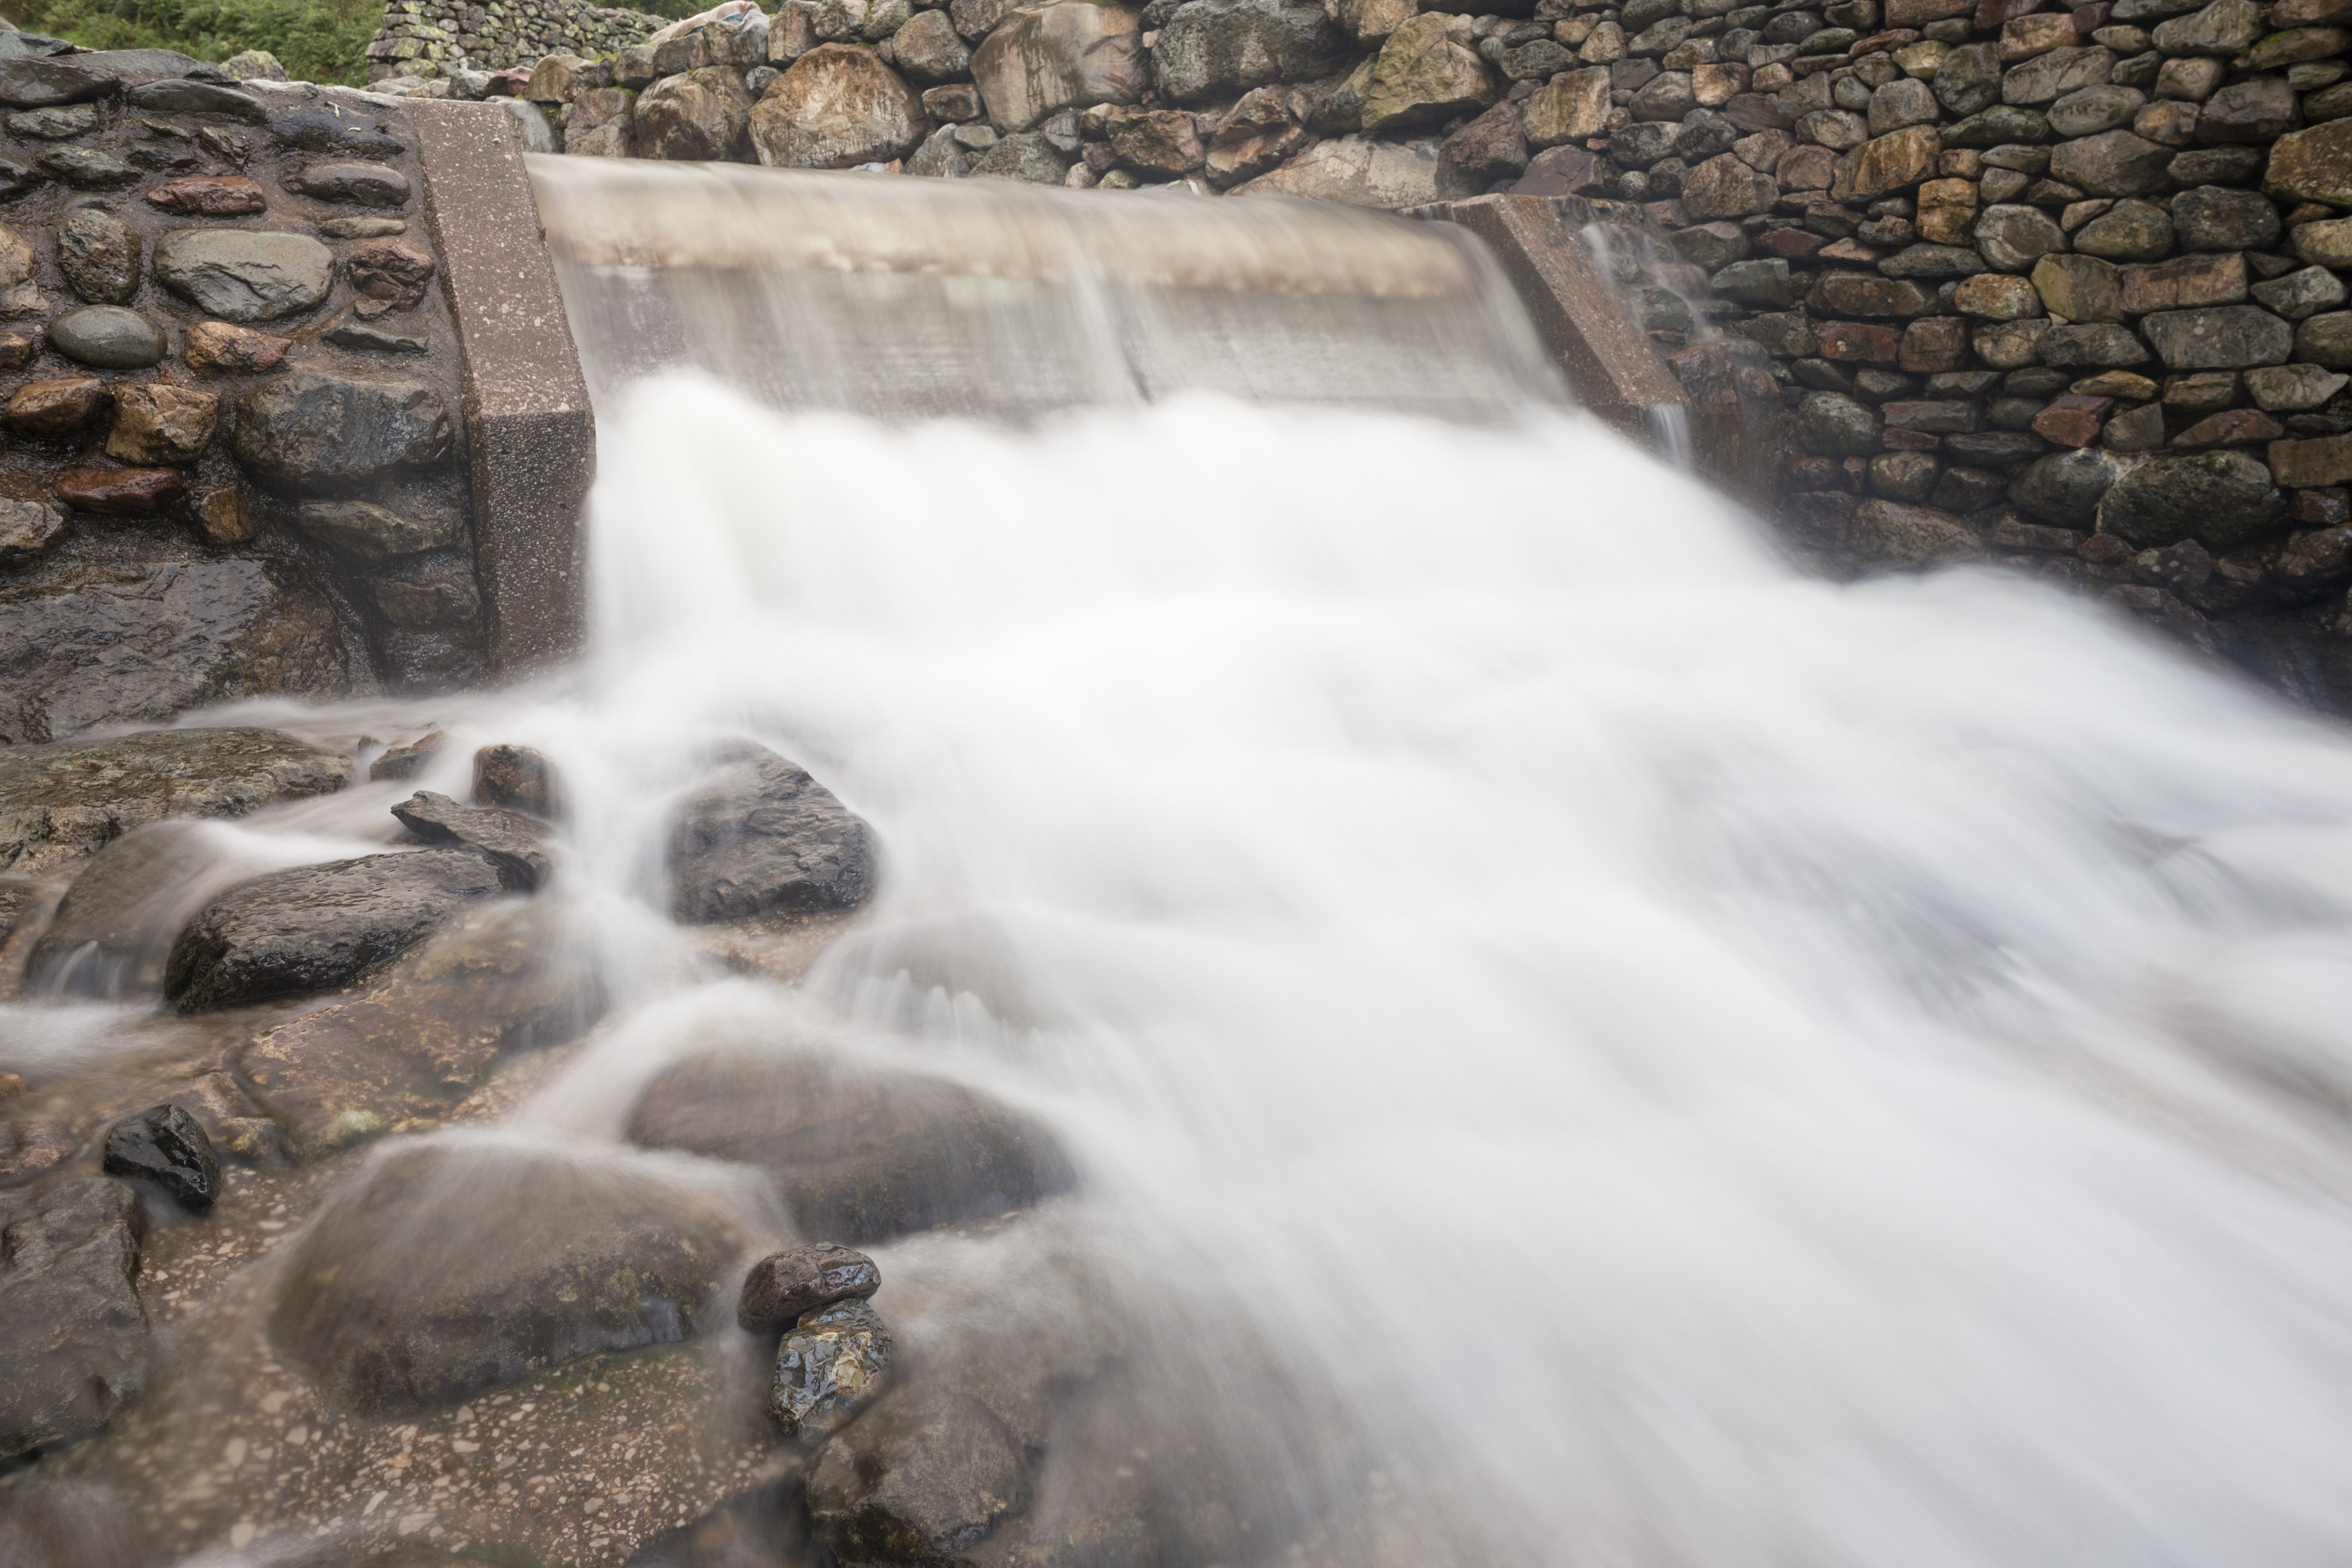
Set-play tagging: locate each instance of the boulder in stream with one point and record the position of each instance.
(76, 1348)
(446, 1268)
(829, 1366)
(763, 837)
(319, 928)
(784, 1285)
(859, 1153)
(164, 1145)
(515, 841)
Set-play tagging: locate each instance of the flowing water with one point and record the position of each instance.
(1580, 1047)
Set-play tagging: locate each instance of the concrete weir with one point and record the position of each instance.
(530, 432)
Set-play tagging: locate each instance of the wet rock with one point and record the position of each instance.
(924, 1475)
(54, 124)
(59, 407)
(336, 129)
(371, 532)
(2114, 164)
(376, 340)
(218, 345)
(784, 1285)
(407, 761)
(32, 1146)
(198, 98)
(26, 529)
(2064, 487)
(99, 253)
(515, 841)
(2128, 231)
(109, 337)
(446, 1270)
(1264, 129)
(61, 801)
(766, 838)
(85, 167)
(428, 592)
(56, 1523)
(2231, 337)
(120, 493)
(1999, 126)
(361, 184)
(75, 1350)
(2013, 237)
(161, 424)
(164, 1145)
(2225, 499)
(317, 434)
(319, 928)
(837, 107)
(2214, 217)
(1213, 47)
(226, 196)
(245, 275)
(517, 778)
(405, 1052)
(829, 1367)
(862, 1155)
(702, 115)
(388, 270)
(1833, 425)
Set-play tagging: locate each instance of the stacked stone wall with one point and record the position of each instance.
(431, 39)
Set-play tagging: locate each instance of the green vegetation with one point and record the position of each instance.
(318, 41)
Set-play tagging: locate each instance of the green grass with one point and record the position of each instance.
(315, 41)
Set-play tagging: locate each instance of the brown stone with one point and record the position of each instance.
(1158, 141)
(2119, 383)
(1572, 106)
(1935, 344)
(1948, 210)
(1788, 244)
(2313, 166)
(1725, 187)
(1860, 343)
(388, 270)
(2079, 288)
(162, 424)
(56, 407)
(17, 350)
(2027, 37)
(2230, 428)
(1919, 12)
(2320, 509)
(2187, 283)
(210, 196)
(1865, 294)
(1888, 163)
(120, 493)
(2071, 420)
(784, 1285)
(219, 345)
(2326, 460)
(1998, 296)
(229, 517)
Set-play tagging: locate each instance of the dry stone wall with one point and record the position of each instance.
(432, 37)
(230, 459)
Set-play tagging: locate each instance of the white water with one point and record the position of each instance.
(1707, 1067)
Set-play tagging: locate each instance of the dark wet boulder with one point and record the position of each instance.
(517, 778)
(406, 1052)
(340, 129)
(408, 760)
(830, 1365)
(184, 96)
(26, 82)
(859, 1153)
(515, 841)
(318, 433)
(59, 802)
(763, 837)
(164, 1145)
(75, 1346)
(447, 1269)
(784, 1285)
(319, 928)
(2223, 498)
(91, 645)
(926, 1475)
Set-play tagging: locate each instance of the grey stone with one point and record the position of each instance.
(763, 837)
(440, 1271)
(2222, 28)
(830, 1367)
(2092, 109)
(54, 124)
(2214, 217)
(1427, 73)
(1834, 425)
(2054, 75)
(2012, 238)
(197, 98)
(532, 130)
(925, 1474)
(165, 1145)
(1763, 284)
(1026, 155)
(2216, 166)
(373, 340)
(86, 167)
(245, 275)
(1933, 261)
(141, 643)
(2304, 293)
(35, 83)
(703, 115)
(2223, 498)
(515, 841)
(75, 1350)
(1968, 79)
(333, 129)
(2113, 163)
(319, 928)
(2064, 487)
(2259, 109)
(1888, 533)
(859, 1153)
(1905, 101)
(1211, 48)
(363, 184)
(837, 107)
(61, 801)
(28, 528)
(428, 592)
(2002, 125)
(2092, 346)
(2325, 340)
(1907, 477)
(109, 337)
(371, 532)
(928, 49)
(2128, 231)
(315, 434)
(2294, 388)
(99, 256)
(2228, 337)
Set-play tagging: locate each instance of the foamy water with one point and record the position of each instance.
(1693, 1066)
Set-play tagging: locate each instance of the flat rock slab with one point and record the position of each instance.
(761, 838)
(446, 1270)
(515, 841)
(128, 645)
(319, 928)
(115, 926)
(75, 1346)
(859, 1154)
(404, 1054)
(60, 801)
